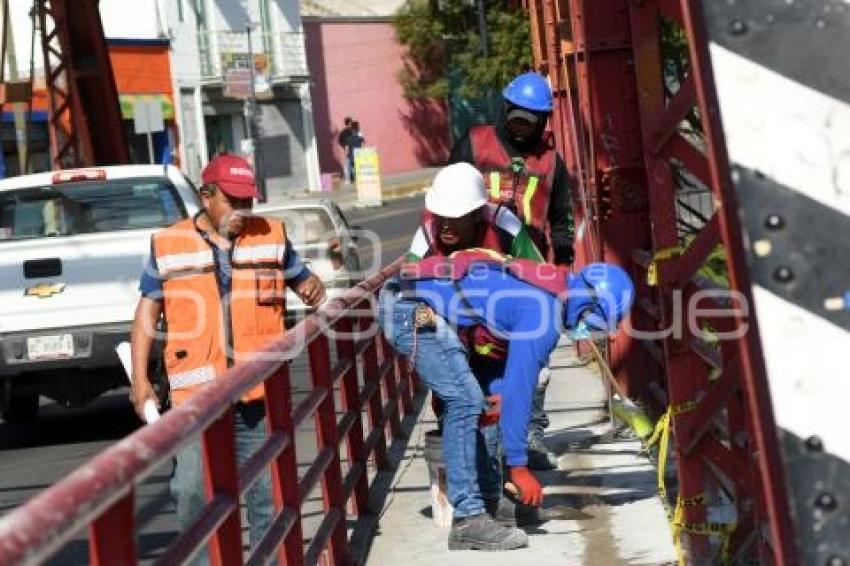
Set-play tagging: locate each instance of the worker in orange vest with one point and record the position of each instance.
(525, 173)
(219, 280)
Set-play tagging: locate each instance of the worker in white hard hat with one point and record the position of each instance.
(457, 216)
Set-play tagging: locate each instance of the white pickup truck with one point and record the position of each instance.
(72, 248)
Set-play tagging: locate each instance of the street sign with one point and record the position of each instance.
(367, 176)
(237, 75)
(147, 118)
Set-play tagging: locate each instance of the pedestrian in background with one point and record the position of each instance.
(342, 139)
(219, 280)
(354, 140)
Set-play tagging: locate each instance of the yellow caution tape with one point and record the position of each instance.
(661, 436)
(652, 276)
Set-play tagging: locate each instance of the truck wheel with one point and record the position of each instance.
(21, 408)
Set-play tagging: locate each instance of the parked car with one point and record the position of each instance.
(327, 244)
(72, 247)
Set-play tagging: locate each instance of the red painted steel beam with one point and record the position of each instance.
(328, 443)
(771, 484)
(687, 374)
(610, 122)
(351, 403)
(667, 124)
(221, 477)
(85, 123)
(112, 539)
(285, 493)
(387, 364)
(375, 410)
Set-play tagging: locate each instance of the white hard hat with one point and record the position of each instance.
(457, 190)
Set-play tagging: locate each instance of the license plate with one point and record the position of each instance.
(50, 347)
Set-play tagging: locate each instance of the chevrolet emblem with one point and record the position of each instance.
(44, 290)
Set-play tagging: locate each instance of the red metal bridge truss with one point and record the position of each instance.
(619, 130)
(84, 121)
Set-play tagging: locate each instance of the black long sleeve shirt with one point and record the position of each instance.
(560, 214)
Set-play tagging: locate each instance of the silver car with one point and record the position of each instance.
(321, 235)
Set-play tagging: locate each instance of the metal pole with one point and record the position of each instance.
(254, 128)
(482, 26)
(150, 147)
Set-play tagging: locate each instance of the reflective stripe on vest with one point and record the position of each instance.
(170, 263)
(530, 189)
(495, 186)
(207, 334)
(192, 377)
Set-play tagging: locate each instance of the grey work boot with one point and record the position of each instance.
(481, 532)
(540, 457)
(503, 511)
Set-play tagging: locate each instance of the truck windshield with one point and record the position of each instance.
(89, 207)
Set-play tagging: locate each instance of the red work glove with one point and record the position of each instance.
(528, 489)
(493, 412)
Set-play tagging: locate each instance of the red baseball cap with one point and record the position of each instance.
(232, 174)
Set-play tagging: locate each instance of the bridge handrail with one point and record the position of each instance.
(100, 493)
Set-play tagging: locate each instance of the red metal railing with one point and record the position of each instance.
(100, 494)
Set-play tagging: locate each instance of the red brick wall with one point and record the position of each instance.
(354, 67)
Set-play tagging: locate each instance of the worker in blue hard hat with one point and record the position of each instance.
(528, 304)
(526, 174)
(523, 170)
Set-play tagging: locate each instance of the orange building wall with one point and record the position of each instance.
(141, 69)
(138, 69)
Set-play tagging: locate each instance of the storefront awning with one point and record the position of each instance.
(128, 104)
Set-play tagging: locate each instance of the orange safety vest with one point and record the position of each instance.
(527, 191)
(205, 335)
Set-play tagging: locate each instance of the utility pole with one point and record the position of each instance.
(254, 127)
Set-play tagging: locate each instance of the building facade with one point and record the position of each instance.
(211, 69)
(354, 59)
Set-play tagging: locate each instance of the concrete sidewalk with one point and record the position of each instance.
(601, 506)
(397, 185)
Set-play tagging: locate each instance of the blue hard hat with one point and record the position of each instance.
(600, 296)
(531, 91)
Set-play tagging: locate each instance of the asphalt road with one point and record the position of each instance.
(35, 455)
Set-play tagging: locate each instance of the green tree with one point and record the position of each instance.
(439, 34)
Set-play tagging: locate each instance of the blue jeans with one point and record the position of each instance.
(187, 480)
(440, 360)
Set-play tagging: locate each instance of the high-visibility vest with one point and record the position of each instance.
(546, 276)
(205, 333)
(526, 190)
